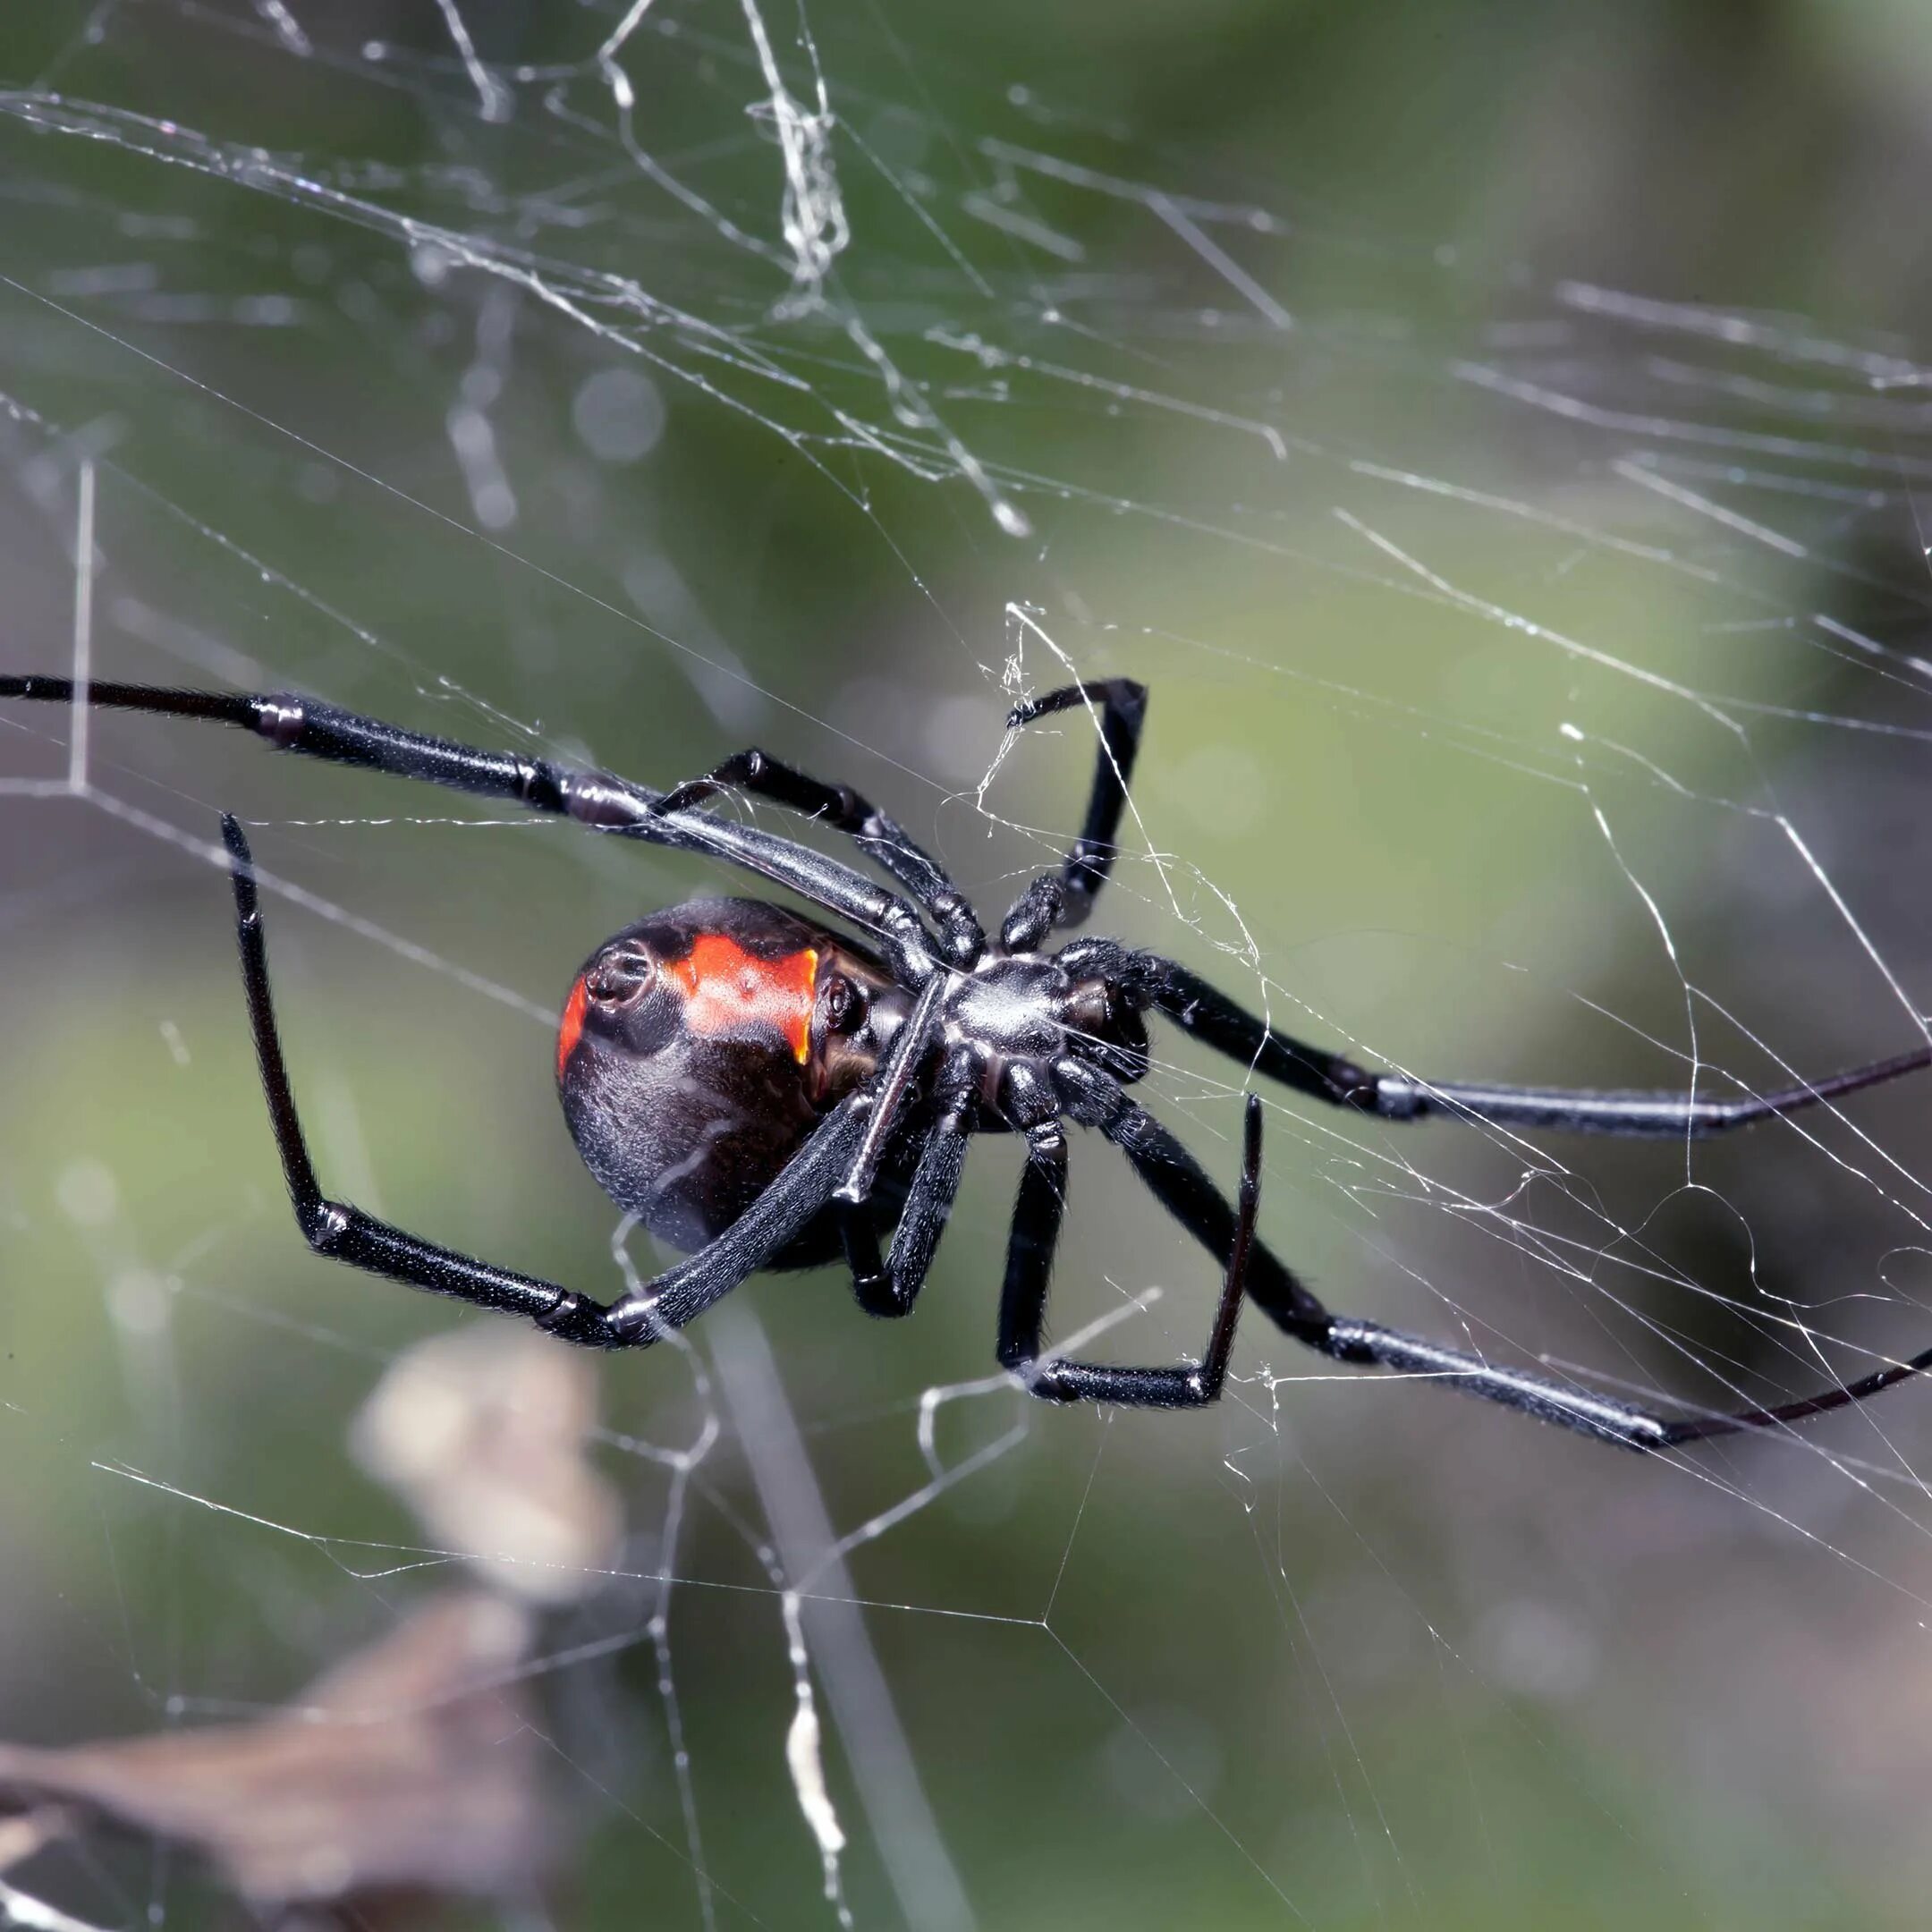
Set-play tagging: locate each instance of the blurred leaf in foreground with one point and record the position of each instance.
(408, 1773)
(481, 1431)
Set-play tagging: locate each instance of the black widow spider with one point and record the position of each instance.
(767, 1092)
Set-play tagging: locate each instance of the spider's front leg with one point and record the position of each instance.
(881, 839)
(307, 727)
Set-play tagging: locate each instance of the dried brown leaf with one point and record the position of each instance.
(410, 1768)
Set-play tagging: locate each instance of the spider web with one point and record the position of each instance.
(1540, 675)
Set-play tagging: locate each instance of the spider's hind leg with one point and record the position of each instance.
(346, 1234)
(881, 839)
(1030, 1253)
(681, 1292)
(1184, 1189)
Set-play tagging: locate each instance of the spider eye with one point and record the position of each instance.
(845, 1005)
(619, 977)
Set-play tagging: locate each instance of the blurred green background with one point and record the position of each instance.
(1493, 433)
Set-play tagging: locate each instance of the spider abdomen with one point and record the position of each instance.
(700, 1047)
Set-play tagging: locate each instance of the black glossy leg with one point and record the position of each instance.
(1034, 1235)
(333, 1228)
(595, 799)
(882, 840)
(1213, 1017)
(891, 1086)
(1370, 1345)
(1602, 1416)
(1183, 1187)
(803, 1189)
(889, 1288)
(1029, 1254)
(1700, 1429)
(1034, 914)
(1122, 706)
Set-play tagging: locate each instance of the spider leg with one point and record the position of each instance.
(804, 1187)
(891, 1285)
(1700, 1428)
(1212, 1017)
(595, 799)
(1122, 706)
(1184, 1189)
(890, 1084)
(888, 1287)
(881, 839)
(346, 1234)
(1030, 1253)
(333, 1228)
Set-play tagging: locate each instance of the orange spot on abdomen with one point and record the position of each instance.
(726, 988)
(570, 1029)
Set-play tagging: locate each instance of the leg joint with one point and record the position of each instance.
(281, 721)
(575, 1317)
(325, 1224)
(1040, 1377)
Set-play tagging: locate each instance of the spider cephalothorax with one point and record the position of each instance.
(766, 1091)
